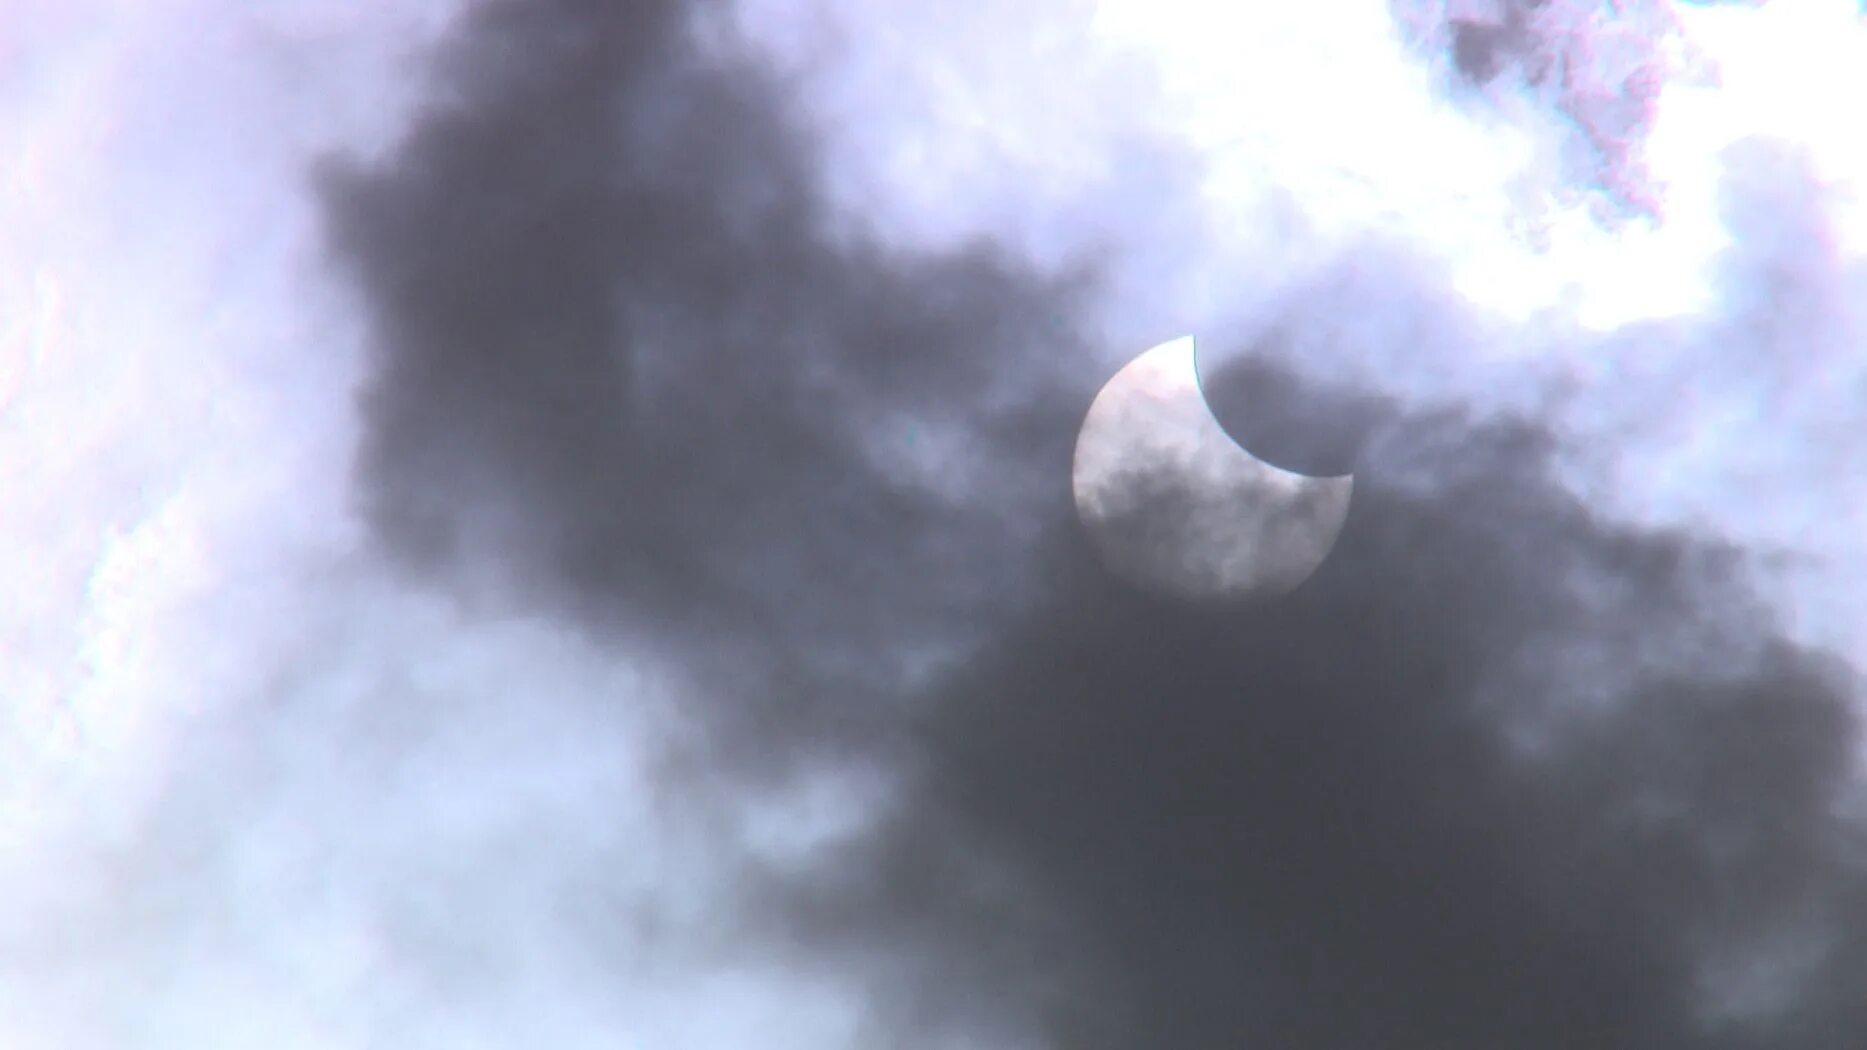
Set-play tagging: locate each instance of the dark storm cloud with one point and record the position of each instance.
(1390, 811)
(1501, 775)
(621, 356)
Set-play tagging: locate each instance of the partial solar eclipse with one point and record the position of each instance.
(1174, 506)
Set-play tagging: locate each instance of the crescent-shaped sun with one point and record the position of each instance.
(1174, 505)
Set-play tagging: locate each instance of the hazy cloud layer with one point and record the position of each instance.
(714, 658)
(1505, 773)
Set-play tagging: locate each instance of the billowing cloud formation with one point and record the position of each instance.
(611, 321)
(1506, 773)
(719, 661)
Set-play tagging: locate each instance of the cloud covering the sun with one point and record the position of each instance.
(549, 523)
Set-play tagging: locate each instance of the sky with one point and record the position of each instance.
(548, 523)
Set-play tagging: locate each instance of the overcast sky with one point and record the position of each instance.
(547, 523)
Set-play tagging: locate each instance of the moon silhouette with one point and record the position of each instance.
(1174, 505)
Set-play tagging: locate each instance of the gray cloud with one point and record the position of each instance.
(611, 323)
(1507, 772)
